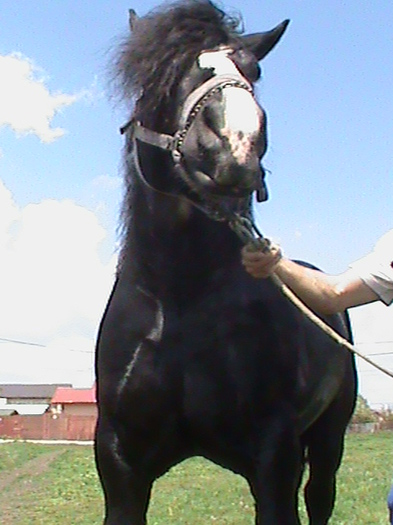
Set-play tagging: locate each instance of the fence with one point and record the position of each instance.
(371, 427)
(48, 426)
(81, 428)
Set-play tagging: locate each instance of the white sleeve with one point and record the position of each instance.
(376, 268)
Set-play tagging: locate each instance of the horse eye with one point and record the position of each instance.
(258, 72)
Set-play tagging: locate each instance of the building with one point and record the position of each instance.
(69, 414)
(74, 401)
(27, 399)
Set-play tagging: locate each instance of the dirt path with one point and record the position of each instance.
(22, 478)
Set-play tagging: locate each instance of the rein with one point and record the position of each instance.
(246, 230)
(244, 227)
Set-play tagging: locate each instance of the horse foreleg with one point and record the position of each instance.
(126, 488)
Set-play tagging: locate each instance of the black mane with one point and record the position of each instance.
(151, 62)
(163, 45)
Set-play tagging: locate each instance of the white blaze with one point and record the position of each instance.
(242, 116)
(218, 61)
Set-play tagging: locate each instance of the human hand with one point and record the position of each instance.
(260, 263)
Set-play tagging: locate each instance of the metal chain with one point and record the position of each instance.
(180, 135)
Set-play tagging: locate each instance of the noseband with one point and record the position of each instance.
(195, 101)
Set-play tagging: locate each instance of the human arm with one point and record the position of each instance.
(326, 294)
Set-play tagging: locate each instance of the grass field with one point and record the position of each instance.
(57, 484)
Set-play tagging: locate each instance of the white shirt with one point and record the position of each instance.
(376, 268)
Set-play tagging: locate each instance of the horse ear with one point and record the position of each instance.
(132, 18)
(262, 43)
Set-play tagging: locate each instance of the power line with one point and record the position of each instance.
(5, 340)
(29, 343)
(40, 345)
(382, 353)
(373, 343)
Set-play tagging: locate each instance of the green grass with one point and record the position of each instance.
(14, 455)
(364, 480)
(198, 492)
(193, 493)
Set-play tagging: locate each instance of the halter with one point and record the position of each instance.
(244, 227)
(195, 101)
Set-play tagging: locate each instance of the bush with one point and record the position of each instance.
(363, 413)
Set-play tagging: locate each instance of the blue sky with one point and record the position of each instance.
(327, 91)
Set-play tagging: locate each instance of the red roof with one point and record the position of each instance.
(74, 395)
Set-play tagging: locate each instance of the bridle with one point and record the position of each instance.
(193, 104)
(244, 227)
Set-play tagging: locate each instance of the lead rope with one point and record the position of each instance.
(246, 231)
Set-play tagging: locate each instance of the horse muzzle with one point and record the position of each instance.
(222, 175)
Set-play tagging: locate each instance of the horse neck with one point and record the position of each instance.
(174, 247)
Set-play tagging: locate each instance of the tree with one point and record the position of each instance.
(363, 413)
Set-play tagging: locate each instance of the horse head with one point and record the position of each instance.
(209, 126)
(224, 137)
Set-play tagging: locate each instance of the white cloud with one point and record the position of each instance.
(372, 323)
(8, 215)
(53, 283)
(93, 93)
(26, 104)
(64, 360)
(107, 182)
(373, 333)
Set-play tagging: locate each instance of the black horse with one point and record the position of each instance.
(194, 356)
